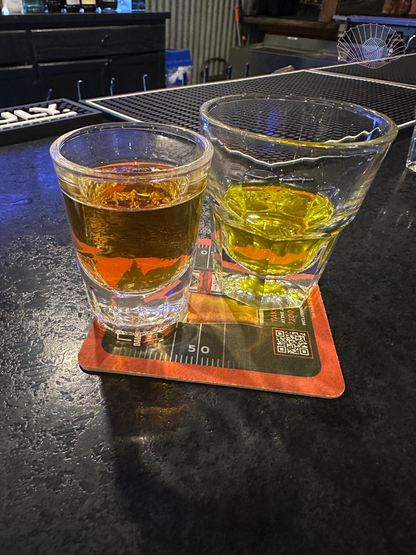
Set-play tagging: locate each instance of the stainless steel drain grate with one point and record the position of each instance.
(181, 106)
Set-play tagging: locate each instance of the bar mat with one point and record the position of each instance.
(227, 343)
(44, 119)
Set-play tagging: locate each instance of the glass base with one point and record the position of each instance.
(140, 318)
(263, 293)
(266, 292)
(411, 165)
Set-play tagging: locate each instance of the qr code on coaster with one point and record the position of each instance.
(292, 343)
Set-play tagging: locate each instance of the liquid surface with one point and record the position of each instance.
(134, 237)
(272, 229)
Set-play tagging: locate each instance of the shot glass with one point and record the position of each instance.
(287, 176)
(133, 195)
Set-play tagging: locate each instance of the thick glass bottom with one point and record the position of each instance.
(264, 293)
(143, 318)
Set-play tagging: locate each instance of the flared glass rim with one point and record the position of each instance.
(387, 138)
(176, 171)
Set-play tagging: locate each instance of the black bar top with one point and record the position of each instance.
(122, 465)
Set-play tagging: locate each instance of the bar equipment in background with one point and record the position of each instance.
(277, 51)
(73, 6)
(178, 67)
(372, 46)
(214, 69)
(112, 85)
(397, 7)
(80, 89)
(138, 5)
(89, 5)
(107, 5)
(237, 25)
(124, 6)
(12, 6)
(55, 6)
(34, 6)
(403, 7)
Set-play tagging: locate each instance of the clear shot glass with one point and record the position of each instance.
(133, 195)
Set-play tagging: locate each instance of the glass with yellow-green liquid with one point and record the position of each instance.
(288, 174)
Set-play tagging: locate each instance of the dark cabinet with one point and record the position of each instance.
(14, 48)
(63, 77)
(18, 86)
(49, 54)
(64, 44)
(128, 72)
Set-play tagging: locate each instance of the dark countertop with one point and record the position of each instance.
(121, 466)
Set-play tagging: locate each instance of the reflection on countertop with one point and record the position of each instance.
(113, 464)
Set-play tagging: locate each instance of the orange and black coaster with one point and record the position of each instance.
(227, 343)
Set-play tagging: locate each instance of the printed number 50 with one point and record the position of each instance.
(204, 349)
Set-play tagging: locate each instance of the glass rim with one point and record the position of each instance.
(334, 145)
(160, 128)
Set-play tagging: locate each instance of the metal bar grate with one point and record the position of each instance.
(402, 70)
(180, 106)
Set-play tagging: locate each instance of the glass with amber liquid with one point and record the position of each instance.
(288, 174)
(133, 195)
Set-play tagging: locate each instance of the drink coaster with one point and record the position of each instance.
(224, 342)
